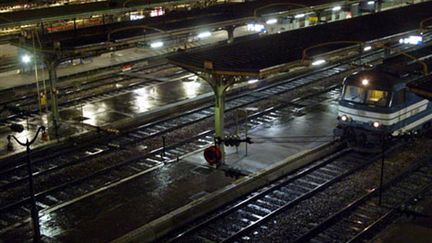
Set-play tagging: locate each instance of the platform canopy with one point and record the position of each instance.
(180, 24)
(268, 54)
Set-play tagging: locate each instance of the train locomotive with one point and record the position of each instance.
(376, 104)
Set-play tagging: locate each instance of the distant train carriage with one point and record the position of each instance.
(374, 104)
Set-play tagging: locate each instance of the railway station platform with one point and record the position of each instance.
(280, 140)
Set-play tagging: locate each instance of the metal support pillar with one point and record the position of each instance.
(230, 31)
(219, 84)
(219, 91)
(52, 69)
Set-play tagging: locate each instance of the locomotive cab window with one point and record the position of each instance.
(354, 94)
(365, 96)
(377, 97)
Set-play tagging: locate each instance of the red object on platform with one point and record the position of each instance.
(213, 155)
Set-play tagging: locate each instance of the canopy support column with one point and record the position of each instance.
(230, 31)
(52, 69)
(219, 84)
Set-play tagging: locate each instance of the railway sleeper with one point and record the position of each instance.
(275, 200)
(266, 204)
(306, 184)
(290, 194)
(258, 210)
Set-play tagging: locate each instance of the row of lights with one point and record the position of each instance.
(202, 35)
(297, 16)
(302, 15)
(322, 61)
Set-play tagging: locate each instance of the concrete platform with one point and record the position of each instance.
(292, 135)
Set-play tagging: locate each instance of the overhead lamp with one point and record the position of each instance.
(255, 27)
(26, 58)
(299, 16)
(371, 2)
(412, 39)
(367, 48)
(203, 35)
(336, 8)
(252, 81)
(318, 62)
(156, 44)
(271, 21)
(365, 81)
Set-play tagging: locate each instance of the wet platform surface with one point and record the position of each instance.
(292, 134)
(112, 213)
(130, 104)
(103, 111)
(31, 125)
(115, 212)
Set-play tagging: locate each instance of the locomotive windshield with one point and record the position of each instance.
(365, 96)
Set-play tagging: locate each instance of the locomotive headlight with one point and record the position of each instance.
(376, 124)
(344, 118)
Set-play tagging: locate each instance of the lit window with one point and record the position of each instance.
(377, 97)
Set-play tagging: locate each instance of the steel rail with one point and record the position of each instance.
(351, 207)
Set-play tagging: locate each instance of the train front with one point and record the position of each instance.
(368, 102)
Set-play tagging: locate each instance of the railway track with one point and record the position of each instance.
(16, 211)
(48, 198)
(238, 219)
(107, 177)
(13, 175)
(364, 217)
